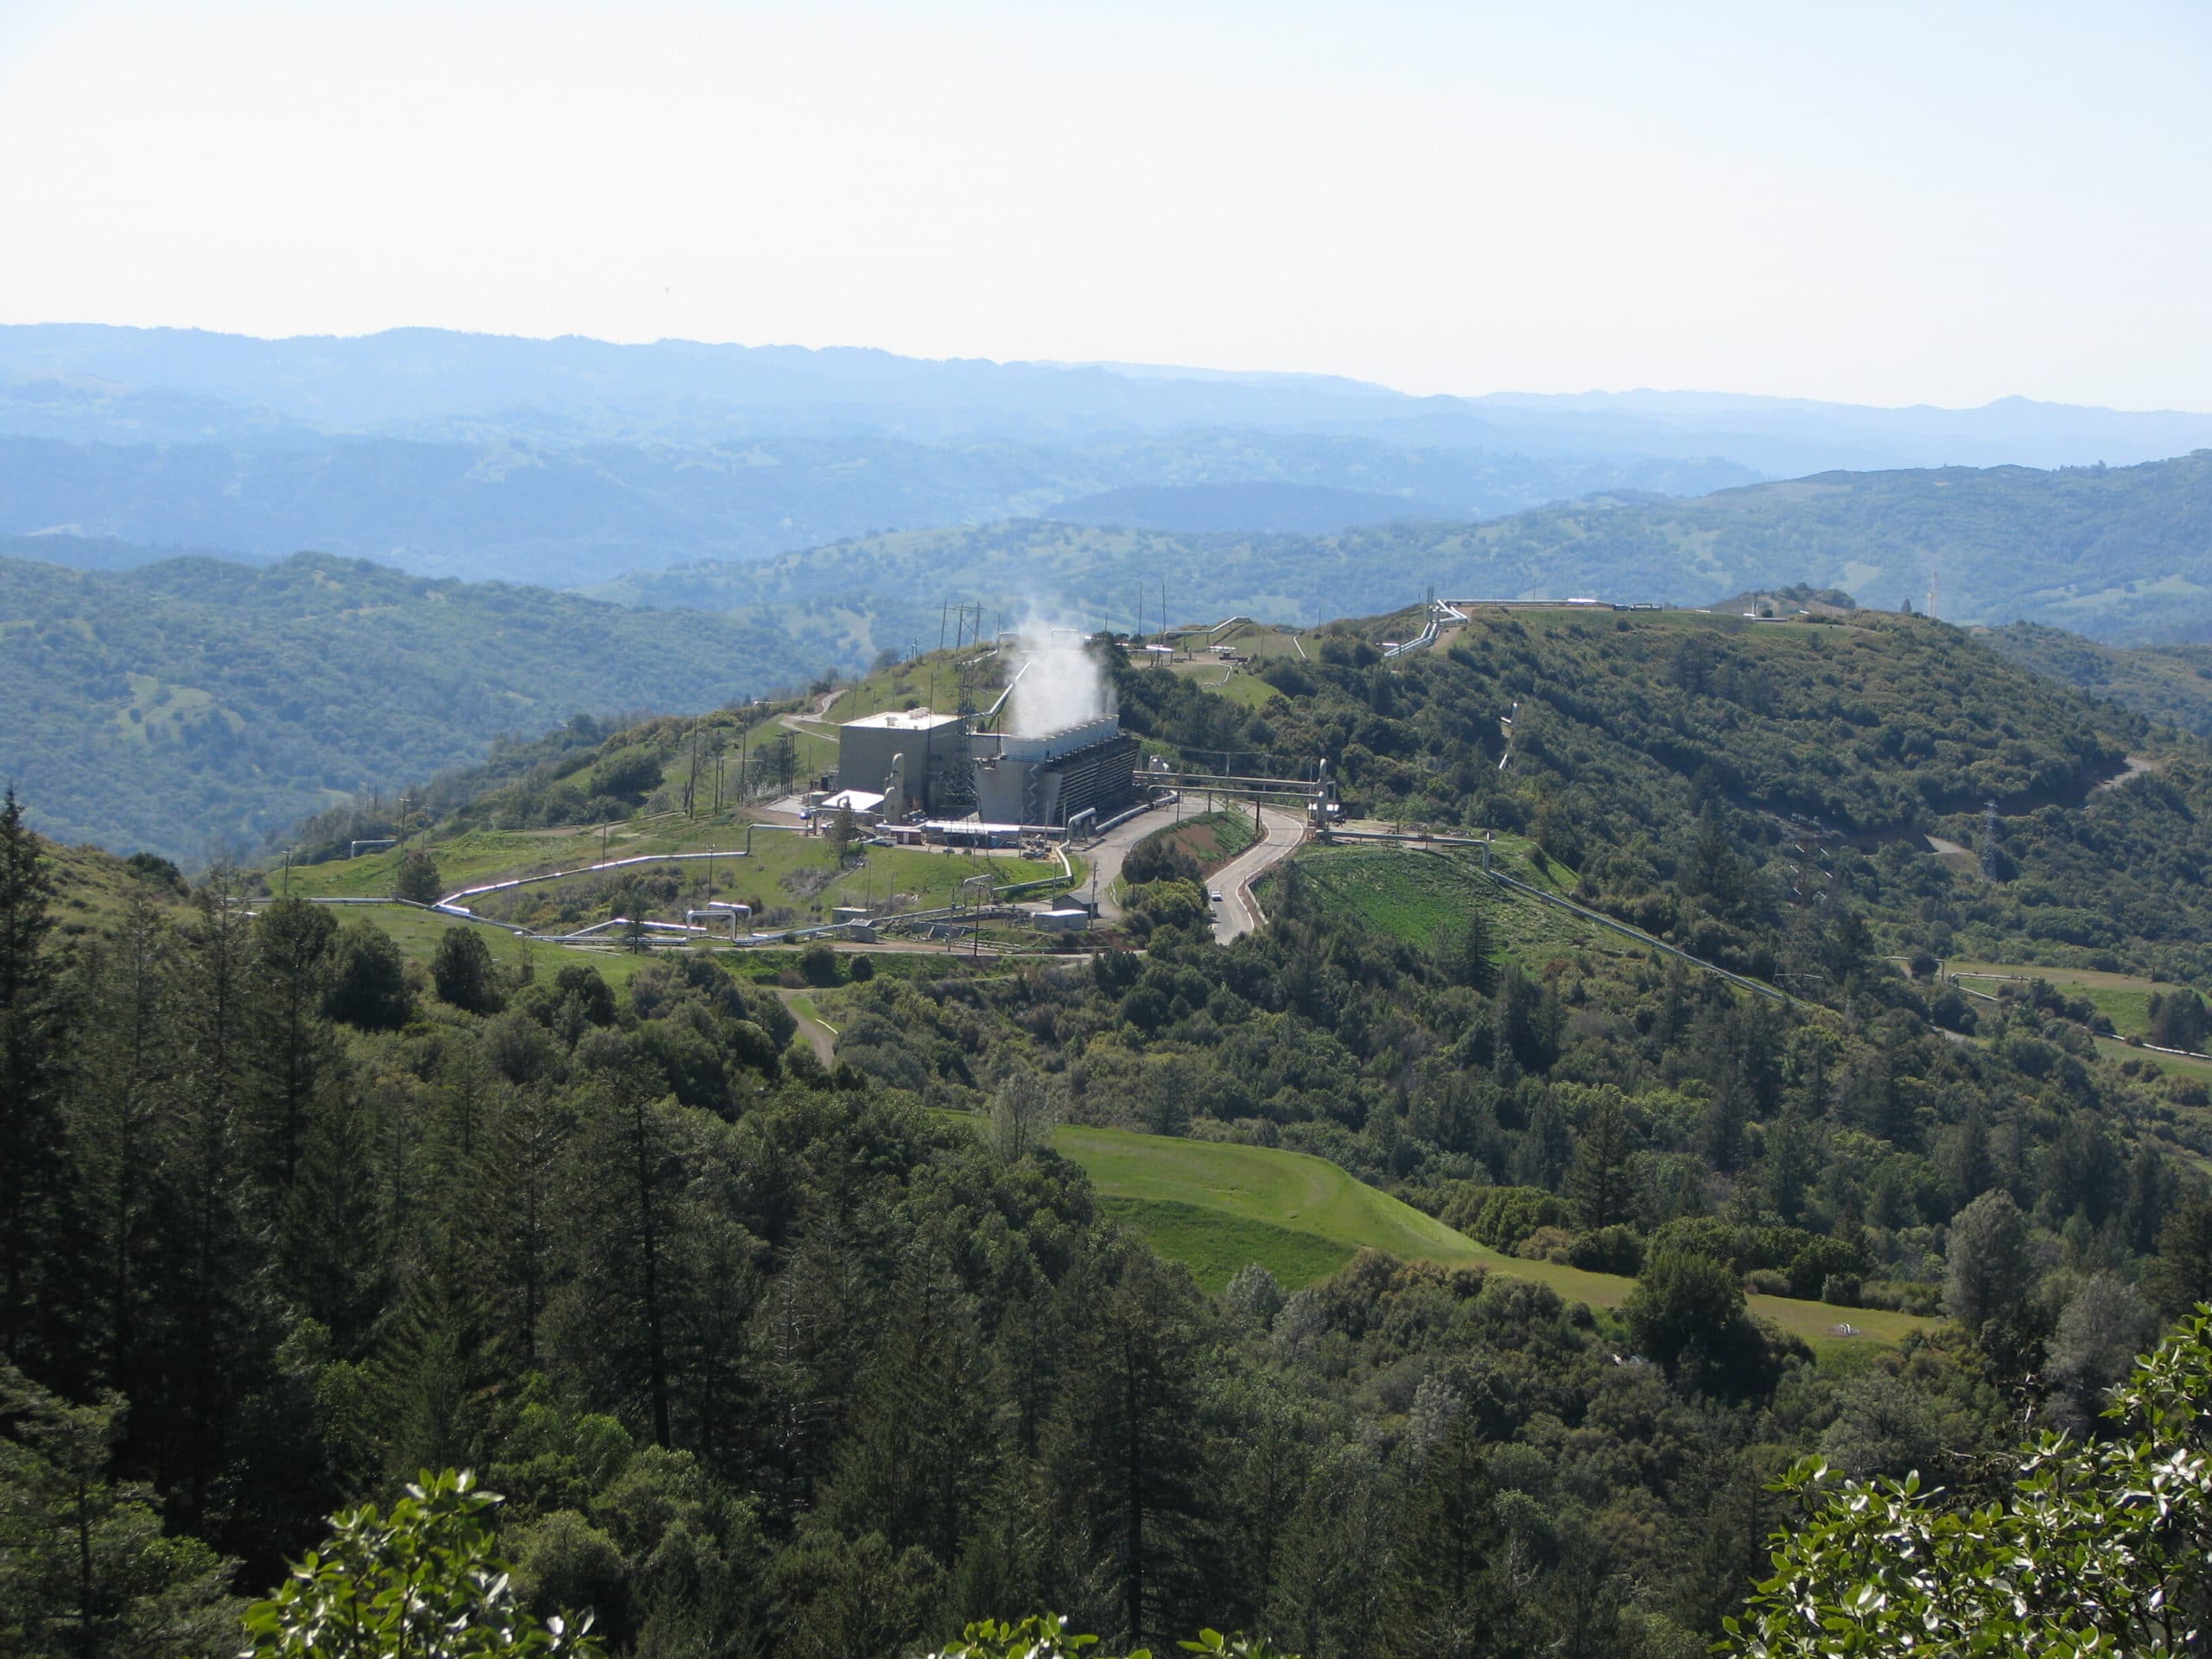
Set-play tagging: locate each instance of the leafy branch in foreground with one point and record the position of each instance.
(1047, 1637)
(423, 1581)
(2103, 1546)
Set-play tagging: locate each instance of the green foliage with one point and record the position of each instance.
(2094, 548)
(417, 881)
(368, 980)
(86, 1570)
(193, 701)
(422, 1578)
(2168, 683)
(1046, 1636)
(462, 969)
(1687, 1313)
(2090, 1547)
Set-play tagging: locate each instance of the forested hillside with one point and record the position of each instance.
(2171, 685)
(513, 501)
(192, 703)
(2112, 553)
(772, 1355)
(1819, 757)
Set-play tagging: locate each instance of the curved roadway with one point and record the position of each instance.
(1238, 913)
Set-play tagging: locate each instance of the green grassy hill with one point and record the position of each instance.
(1215, 1207)
(194, 702)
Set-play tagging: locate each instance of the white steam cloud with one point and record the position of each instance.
(1061, 684)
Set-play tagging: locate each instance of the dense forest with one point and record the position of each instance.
(194, 703)
(765, 1354)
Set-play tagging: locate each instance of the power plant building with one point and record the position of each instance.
(932, 763)
(1048, 779)
(908, 756)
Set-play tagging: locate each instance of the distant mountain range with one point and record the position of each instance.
(434, 383)
(570, 461)
(2121, 554)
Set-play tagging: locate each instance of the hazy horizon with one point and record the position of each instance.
(1136, 370)
(1874, 206)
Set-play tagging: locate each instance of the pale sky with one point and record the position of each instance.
(1869, 202)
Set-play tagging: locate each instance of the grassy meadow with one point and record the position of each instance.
(1421, 894)
(1215, 1207)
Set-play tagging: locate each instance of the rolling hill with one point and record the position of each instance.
(2118, 554)
(194, 702)
(2171, 684)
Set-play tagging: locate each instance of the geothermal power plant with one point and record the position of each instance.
(1061, 757)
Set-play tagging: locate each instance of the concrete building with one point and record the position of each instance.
(1048, 779)
(906, 755)
(927, 762)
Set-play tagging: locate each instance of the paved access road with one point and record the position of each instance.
(1238, 913)
(1105, 857)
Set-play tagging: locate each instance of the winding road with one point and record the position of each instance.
(1238, 913)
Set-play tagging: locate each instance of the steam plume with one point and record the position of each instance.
(1061, 685)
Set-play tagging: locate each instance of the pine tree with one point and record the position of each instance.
(1454, 1601)
(33, 1161)
(86, 1571)
(922, 1444)
(119, 1123)
(293, 1047)
(1125, 1448)
(1601, 1184)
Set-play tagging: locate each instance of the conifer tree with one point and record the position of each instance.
(1600, 1185)
(32, 1157)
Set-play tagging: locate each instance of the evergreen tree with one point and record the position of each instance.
(1452, 1598)
(2180, 1276)
(368, 980)
(85, 1570)
(916, 1459)
(1125, 1448)
(1601, 1185)
(462, 969)
(292, 947)
(33, 1159)
(121, 1123)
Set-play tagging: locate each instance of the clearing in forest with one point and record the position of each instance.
(1215, 1207)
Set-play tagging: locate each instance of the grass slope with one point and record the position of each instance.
(1421, 894)
(1203, 1203)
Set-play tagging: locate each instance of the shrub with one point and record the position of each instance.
(417, 881)
(1546, 1244)
(1617, 1248)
